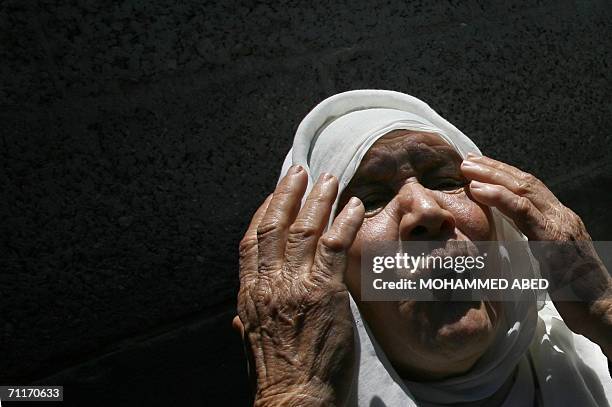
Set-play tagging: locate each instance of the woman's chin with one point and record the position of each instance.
(473, 331)
(452, 332)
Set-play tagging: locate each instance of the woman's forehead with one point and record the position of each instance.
(407, 137)
(415, 147)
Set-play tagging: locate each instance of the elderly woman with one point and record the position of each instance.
(369, 166)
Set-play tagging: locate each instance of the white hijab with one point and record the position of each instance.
(569, 369)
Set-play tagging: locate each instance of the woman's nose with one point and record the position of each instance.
(422, 218)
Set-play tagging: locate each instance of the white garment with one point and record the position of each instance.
(570, 370)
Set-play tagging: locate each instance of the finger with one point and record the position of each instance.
(331, 256)
(283, 208)
(521, 210)
(304, 233)
(521, 183)
(482, 172)
(248, 245)
(495, 164)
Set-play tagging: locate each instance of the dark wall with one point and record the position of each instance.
(137, 137)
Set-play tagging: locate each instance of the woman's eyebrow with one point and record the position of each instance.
(379, 165)
(424, 157)
(383, 163)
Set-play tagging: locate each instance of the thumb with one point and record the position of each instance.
(237, 325)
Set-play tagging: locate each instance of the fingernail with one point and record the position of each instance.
(354, 202)
(296, 169)
(471, 155)
(325, 177)
(467, 163)
(477, 185)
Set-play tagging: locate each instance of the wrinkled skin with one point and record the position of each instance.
(413, 189)
(293, 306)
(541, 217)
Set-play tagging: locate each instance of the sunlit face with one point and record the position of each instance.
(413, 189)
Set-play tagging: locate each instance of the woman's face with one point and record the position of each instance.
(413, 189)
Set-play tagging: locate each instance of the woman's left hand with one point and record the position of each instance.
(541, 217)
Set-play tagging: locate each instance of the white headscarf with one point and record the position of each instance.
(333, 138)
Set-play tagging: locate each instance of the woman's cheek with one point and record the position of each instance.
(471, 218)
(380, 227)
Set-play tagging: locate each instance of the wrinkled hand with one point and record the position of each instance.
(540, 216)
(293, 305)
(525, 199)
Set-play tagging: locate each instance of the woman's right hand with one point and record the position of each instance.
(293, 306)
